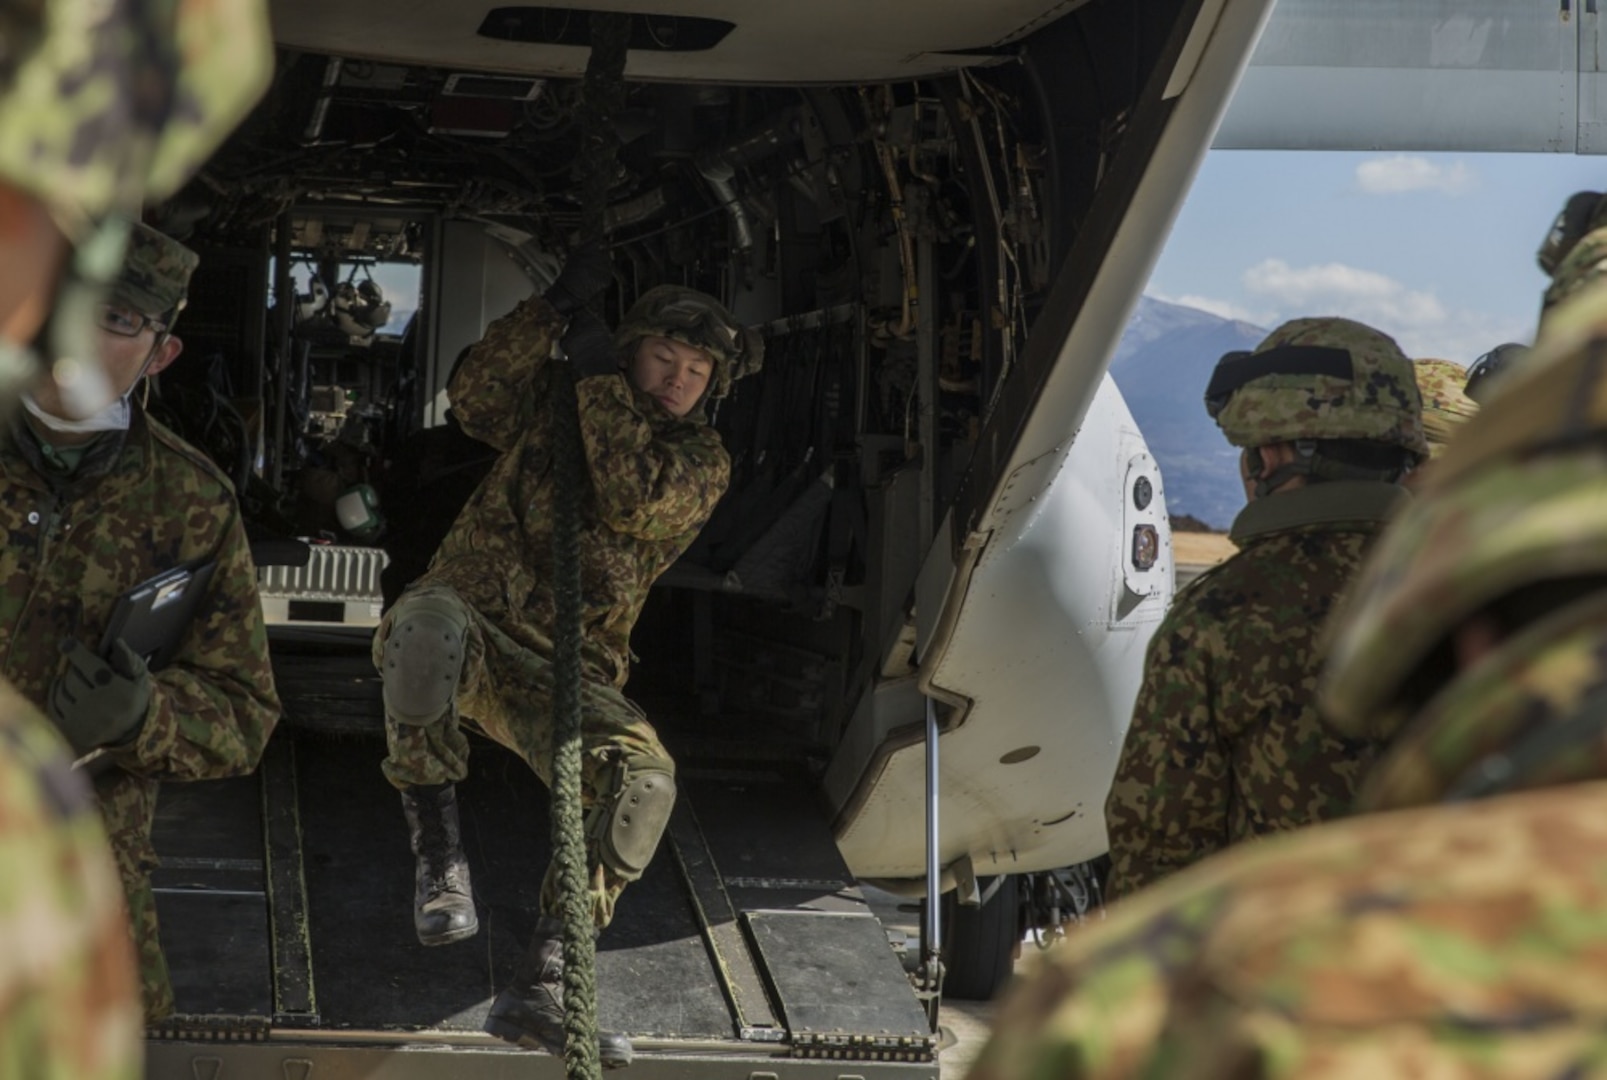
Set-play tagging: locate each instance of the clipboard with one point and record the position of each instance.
(154, 615)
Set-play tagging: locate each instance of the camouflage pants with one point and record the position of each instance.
(505, 693)
(128, 807)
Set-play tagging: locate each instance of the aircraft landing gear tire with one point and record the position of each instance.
(980, 944)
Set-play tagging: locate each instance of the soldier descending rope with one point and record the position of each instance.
(520, 628)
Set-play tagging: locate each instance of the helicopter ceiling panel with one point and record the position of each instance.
(731, 41)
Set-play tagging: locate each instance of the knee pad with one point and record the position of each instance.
(639, 815)
(423, 658)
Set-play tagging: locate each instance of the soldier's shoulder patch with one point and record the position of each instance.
(166, 438)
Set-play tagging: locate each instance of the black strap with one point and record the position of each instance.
(1236, 369)
(1312, 462)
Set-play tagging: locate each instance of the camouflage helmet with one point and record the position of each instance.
(1584, 265)
(105, 105)
(1491, 369)
(1513, 505)
(1508, 723)
(1584, 212)
(1445, 404)
(1326, 378)
(156, 274)
(699, 320)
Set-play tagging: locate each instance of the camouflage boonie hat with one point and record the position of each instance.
(699, 320)
(1326, 378)
(1516, 501)
(1585, 265)
(114, 103)
(156, 274)
(1445, 404)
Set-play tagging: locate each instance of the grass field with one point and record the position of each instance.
(1200, 549)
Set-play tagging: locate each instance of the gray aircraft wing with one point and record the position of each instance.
(1498, 75)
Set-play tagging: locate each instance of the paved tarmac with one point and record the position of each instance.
(968, 1022)
(965, 1024)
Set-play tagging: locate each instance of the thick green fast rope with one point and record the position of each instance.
(602, 94)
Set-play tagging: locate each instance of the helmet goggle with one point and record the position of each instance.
(1236, 369)
(701, 324)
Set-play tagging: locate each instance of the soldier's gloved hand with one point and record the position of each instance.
(587, 275)
(589, 345)
(96, 703)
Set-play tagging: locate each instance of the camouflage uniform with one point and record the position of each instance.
(1225, 743)
(101, 106)
(138, 503)
(1584, 264)
(118, 103)
(1461, 940)
(69, 1008)
(654, 482)
(1436, 943)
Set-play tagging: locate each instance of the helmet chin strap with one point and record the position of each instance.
(1311, 463)
(1269, 482)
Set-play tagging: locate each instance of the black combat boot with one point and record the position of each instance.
(443, 900)
(530, 1012)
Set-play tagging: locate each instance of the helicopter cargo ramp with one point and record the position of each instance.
(746, 951)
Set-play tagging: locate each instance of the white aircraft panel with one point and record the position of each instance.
(1042, 639)
(1049, 649)
(1592, 80)
(1427, 75)
(1396, 109)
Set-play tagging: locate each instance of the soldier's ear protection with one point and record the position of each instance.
(1568, 229)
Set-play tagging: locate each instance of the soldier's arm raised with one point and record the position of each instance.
(495, 389)
(651, 483)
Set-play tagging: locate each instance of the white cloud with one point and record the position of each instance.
(1344, 290)
(1417, 319)
(1404, 173)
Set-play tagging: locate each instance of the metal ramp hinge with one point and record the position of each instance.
(850, 1046)
(762, 1034)
(209, 1028)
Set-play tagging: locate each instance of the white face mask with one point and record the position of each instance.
(114, 417)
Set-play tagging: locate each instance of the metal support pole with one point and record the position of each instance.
(931, 919)
(284, 291)
(927, 384)
(257, 354)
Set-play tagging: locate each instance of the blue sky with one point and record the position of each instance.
(1435, 249)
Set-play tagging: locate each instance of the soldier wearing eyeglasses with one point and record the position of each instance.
(92, 506)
